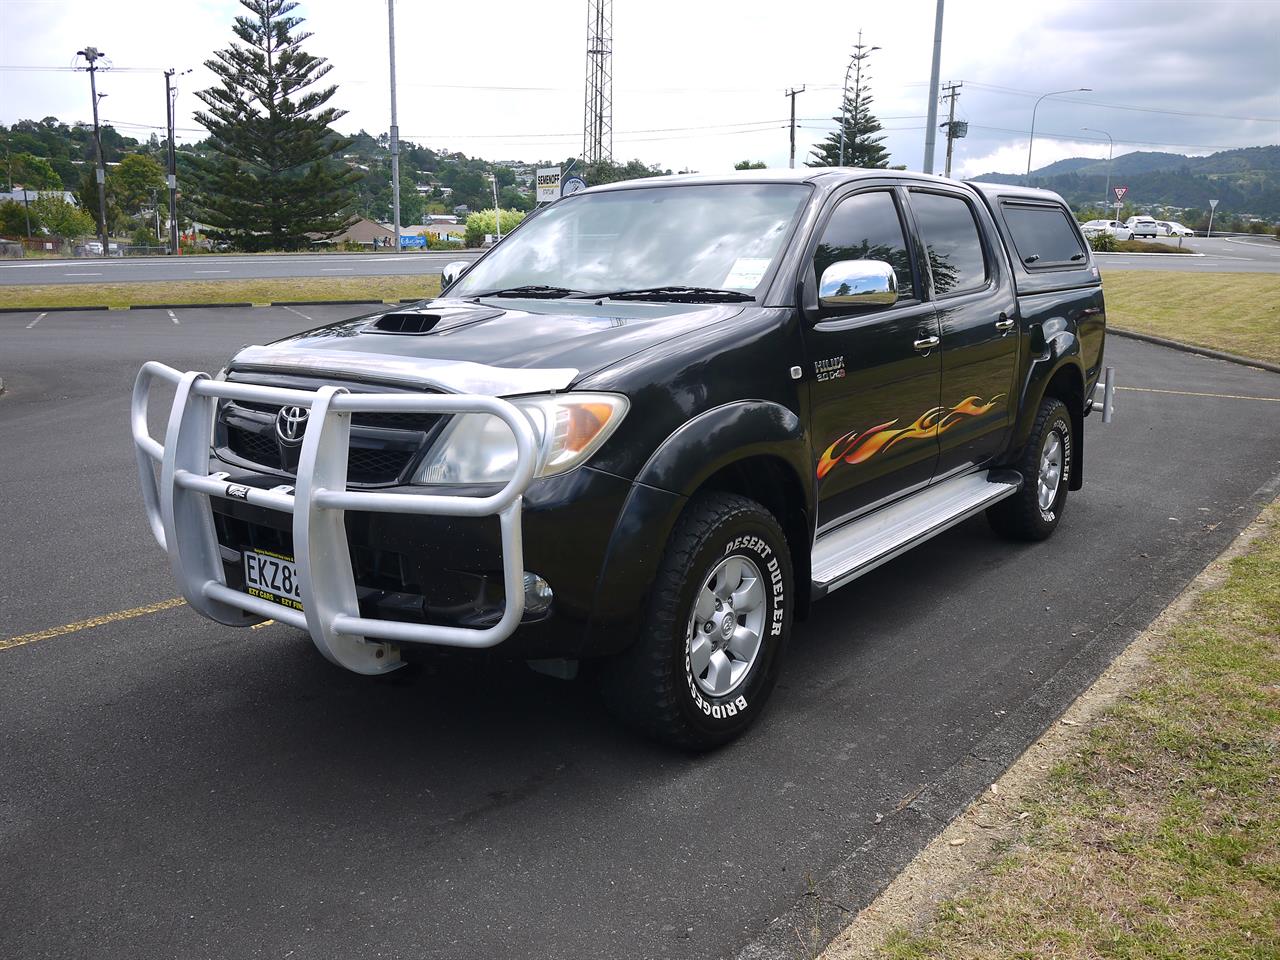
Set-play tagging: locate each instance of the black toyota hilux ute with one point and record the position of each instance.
(646, 430)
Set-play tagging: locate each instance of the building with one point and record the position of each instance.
(364, 232)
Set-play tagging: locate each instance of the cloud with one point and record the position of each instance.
(701, 85)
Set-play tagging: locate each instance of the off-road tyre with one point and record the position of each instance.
(1020, 517)
(652, 685)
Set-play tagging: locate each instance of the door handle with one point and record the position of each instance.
(1004, 324)
(925, 344)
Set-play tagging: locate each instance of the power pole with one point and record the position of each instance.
(395, 129)
(792, 94)
(952, 93)
(931, 125)
(170, 106)
(92, 55)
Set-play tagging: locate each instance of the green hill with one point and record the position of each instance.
(1245, 181)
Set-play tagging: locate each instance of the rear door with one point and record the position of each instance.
(977, 315)
(873, 370)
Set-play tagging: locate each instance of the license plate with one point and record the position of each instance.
(272, 576)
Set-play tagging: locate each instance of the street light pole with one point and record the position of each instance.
(1030, 142)
(92, 55)
(395, 129)
(497, 214)
(931, 124)
(1111, 145)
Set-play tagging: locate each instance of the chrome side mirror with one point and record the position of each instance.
(452, 271)
(858, 283)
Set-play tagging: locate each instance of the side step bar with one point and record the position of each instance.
(848, 552)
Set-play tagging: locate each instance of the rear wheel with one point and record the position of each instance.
(716, 625)
(1034, 511)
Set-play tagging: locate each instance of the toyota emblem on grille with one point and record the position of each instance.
(291, 424)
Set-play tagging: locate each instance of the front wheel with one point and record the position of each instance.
(717, 621)
(1034, 511)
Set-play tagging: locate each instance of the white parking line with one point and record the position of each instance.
(212, 271)
(36, 320)
(337, 269)
(301, 314)
(82, 274)
(172, 316)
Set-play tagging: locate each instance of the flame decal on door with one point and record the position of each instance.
(859, 447)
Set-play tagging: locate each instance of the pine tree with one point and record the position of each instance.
(861, 145)
(272, 181)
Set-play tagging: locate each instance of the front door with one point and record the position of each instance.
(874, 371)
(977, 314)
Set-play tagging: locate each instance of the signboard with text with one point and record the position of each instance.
(413, 241)
(548, 184)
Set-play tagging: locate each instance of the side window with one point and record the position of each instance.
(951, 237)
(1043, 236)
(867, 227)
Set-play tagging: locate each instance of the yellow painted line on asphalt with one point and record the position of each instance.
(91, 622)
(1190, 393)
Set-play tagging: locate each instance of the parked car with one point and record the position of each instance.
(1171, 228)
(1142, 226)
(649, 427)
(1112, 227)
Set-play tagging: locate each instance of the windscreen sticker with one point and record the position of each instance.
(747, 273)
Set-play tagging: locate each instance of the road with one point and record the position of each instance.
(225, 267)
(176, 788)
(1221, 255)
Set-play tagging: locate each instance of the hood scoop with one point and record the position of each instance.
(427, 319)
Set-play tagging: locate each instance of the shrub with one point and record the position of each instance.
(1102, 243)
(483, 222)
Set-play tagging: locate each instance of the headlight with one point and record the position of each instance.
(478, 448)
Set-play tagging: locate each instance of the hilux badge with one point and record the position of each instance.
(832, 369)
(291, 424)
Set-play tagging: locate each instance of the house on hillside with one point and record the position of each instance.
(365, 232)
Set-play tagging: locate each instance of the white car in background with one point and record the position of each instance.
(1172, 228)
(1112, 227)
(1142, 226)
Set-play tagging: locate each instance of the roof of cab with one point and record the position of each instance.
(780, 175)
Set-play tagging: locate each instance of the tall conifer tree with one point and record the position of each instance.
(272, 181)
(861, 144)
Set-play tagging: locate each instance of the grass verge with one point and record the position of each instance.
(37, 296)
(1156, 831)
(1235, 312)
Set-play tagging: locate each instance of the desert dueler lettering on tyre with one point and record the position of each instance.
(643, 440)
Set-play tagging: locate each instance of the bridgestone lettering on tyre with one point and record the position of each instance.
(716, 626)
(1045, 463)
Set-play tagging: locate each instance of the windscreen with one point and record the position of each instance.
(725, 236)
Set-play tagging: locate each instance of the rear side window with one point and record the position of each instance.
(866, 226)
(951, 236)
(1044, 237)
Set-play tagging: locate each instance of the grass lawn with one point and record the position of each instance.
(37, 296)
(1158, 834)
(1235, 312)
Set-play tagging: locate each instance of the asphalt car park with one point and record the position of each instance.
(172, 787)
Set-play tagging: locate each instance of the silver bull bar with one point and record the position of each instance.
(181, 517)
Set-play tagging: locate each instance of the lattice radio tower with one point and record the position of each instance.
(597, 125)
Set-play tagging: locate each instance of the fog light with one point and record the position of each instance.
(537, 594)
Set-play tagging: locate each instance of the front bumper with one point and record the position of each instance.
(178, 503)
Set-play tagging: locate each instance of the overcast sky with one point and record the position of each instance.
(701, 85)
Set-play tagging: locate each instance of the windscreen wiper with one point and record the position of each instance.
(677, 294)
(534, 290)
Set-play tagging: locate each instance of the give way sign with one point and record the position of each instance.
(1119, 192)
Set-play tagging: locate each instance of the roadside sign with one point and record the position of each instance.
(572, 185)
(1119, 192)
(413, 241)
(548, 184)
(1213, 204)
